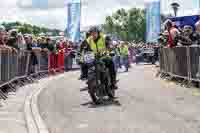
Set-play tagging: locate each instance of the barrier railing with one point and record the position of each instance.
(22, 64)
(19, 67)
(183, 62)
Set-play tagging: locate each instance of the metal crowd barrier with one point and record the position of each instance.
(22, 64)
(182, 62)
(25, 64)
(43, 61)
(5, 65)
(17, 65)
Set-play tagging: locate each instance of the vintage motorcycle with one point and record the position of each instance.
(99, 81)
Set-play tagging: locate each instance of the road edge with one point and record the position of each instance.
(34, 121)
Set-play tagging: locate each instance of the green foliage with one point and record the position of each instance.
(127, 24)
(25, 28)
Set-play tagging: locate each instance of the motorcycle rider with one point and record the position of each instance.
(97, 44)
(84, 47)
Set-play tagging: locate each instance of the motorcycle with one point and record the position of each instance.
(99, 81)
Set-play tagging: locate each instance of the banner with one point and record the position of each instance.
(196, 4)
(186, 20)
(73, 22)
(152, 20)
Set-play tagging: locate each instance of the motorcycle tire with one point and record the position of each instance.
(110, 90)
(111, 93)
(91, 90)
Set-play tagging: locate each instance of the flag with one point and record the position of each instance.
(73, 21)
(152, 20)
(196, 4)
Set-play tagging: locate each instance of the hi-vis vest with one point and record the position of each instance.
(100, 44)
(124, 51)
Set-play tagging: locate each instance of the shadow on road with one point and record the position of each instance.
(104, 103)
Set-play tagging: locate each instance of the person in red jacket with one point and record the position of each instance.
(172, 32)
(60, 63)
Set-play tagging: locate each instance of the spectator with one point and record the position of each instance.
(43, 44)
(162, 40)
(12, 40)
(50, 45)
(33, 58)
(197, 26)
(28, 40)
(2, 36)
(197, 33)
(71, 55)
(35, 44)
(60, 55)
(67, 52)
(172, 33)
(53, 57)
(6, 38)
(2, 39)
(21, 42)
(186, 37)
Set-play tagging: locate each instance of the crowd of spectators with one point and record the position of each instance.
(179, 36)
(16, 42)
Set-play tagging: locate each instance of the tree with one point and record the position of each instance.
(175, 6)
(25, 28)
(126, 24)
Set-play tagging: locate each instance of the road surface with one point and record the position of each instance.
(145, 104)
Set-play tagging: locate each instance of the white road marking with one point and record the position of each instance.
(82, 126)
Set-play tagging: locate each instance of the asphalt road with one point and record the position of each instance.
(145, 104)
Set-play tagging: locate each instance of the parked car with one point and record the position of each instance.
(146, 55)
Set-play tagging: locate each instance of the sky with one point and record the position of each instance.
(53, 14)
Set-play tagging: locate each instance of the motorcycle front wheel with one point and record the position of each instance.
(91, 90)
(107, 83)
(111, 93)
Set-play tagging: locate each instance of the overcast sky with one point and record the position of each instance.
(51, 13)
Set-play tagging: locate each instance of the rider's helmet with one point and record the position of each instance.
(95, 32)
(94, 29)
